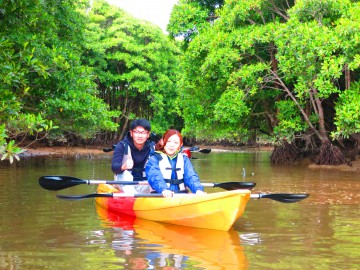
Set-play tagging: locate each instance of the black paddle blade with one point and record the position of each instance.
(154, 137)
(285, 198)
(106, 150)
(86, 196)
(54, 182)
(204, 151)
(235, 185)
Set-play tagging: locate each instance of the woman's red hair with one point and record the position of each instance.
(170, 132)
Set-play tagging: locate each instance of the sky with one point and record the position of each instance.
(154, 11)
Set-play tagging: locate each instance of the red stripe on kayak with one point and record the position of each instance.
(122, 206)
(118, 210)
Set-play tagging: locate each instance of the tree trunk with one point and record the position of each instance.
(322, 134)
(329, 154)
(347, 77)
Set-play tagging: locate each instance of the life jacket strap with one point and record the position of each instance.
(174, 181)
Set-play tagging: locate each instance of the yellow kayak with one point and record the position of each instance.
(216, 211)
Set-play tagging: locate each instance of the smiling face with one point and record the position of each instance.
(172, 145)
(139, 135)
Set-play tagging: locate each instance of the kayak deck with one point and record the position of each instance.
(216, 211)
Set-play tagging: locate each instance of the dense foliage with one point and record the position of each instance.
(43, 83)
(79, 71)
(135, 66)
(282, 69)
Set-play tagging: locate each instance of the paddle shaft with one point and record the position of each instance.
(61, 182)
(109, 195)
(97, 182)
(280, 197)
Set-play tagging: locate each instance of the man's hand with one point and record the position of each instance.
(127, 165)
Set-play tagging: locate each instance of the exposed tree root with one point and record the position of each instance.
(330, 154)
(284, 154)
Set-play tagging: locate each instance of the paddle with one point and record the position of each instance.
(106, 150)
(109, 195)
(280, 197)
(231, 185)
(54, 182)
(204, 151)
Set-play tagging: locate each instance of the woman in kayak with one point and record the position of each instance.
(168, 170)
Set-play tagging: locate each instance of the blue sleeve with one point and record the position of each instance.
(154, 176)
(117, 160)
(191, 178)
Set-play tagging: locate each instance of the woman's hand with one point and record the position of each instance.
(200, 192)
(167, 193)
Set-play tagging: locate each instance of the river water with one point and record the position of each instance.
(40, 231)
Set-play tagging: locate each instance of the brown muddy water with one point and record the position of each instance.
(40, 231)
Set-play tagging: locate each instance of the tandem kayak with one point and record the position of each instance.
(216, 211)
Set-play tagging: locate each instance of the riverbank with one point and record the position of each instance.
(90, 152)
(63, 151)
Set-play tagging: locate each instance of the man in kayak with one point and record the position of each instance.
(131, 155)
(169, 170)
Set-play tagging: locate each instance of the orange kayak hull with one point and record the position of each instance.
(217, 211)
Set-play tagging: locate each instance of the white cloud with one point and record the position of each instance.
(154, 11)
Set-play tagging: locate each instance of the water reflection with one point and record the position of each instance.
(167, 246)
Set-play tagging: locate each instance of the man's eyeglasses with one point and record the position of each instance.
(145, 132)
